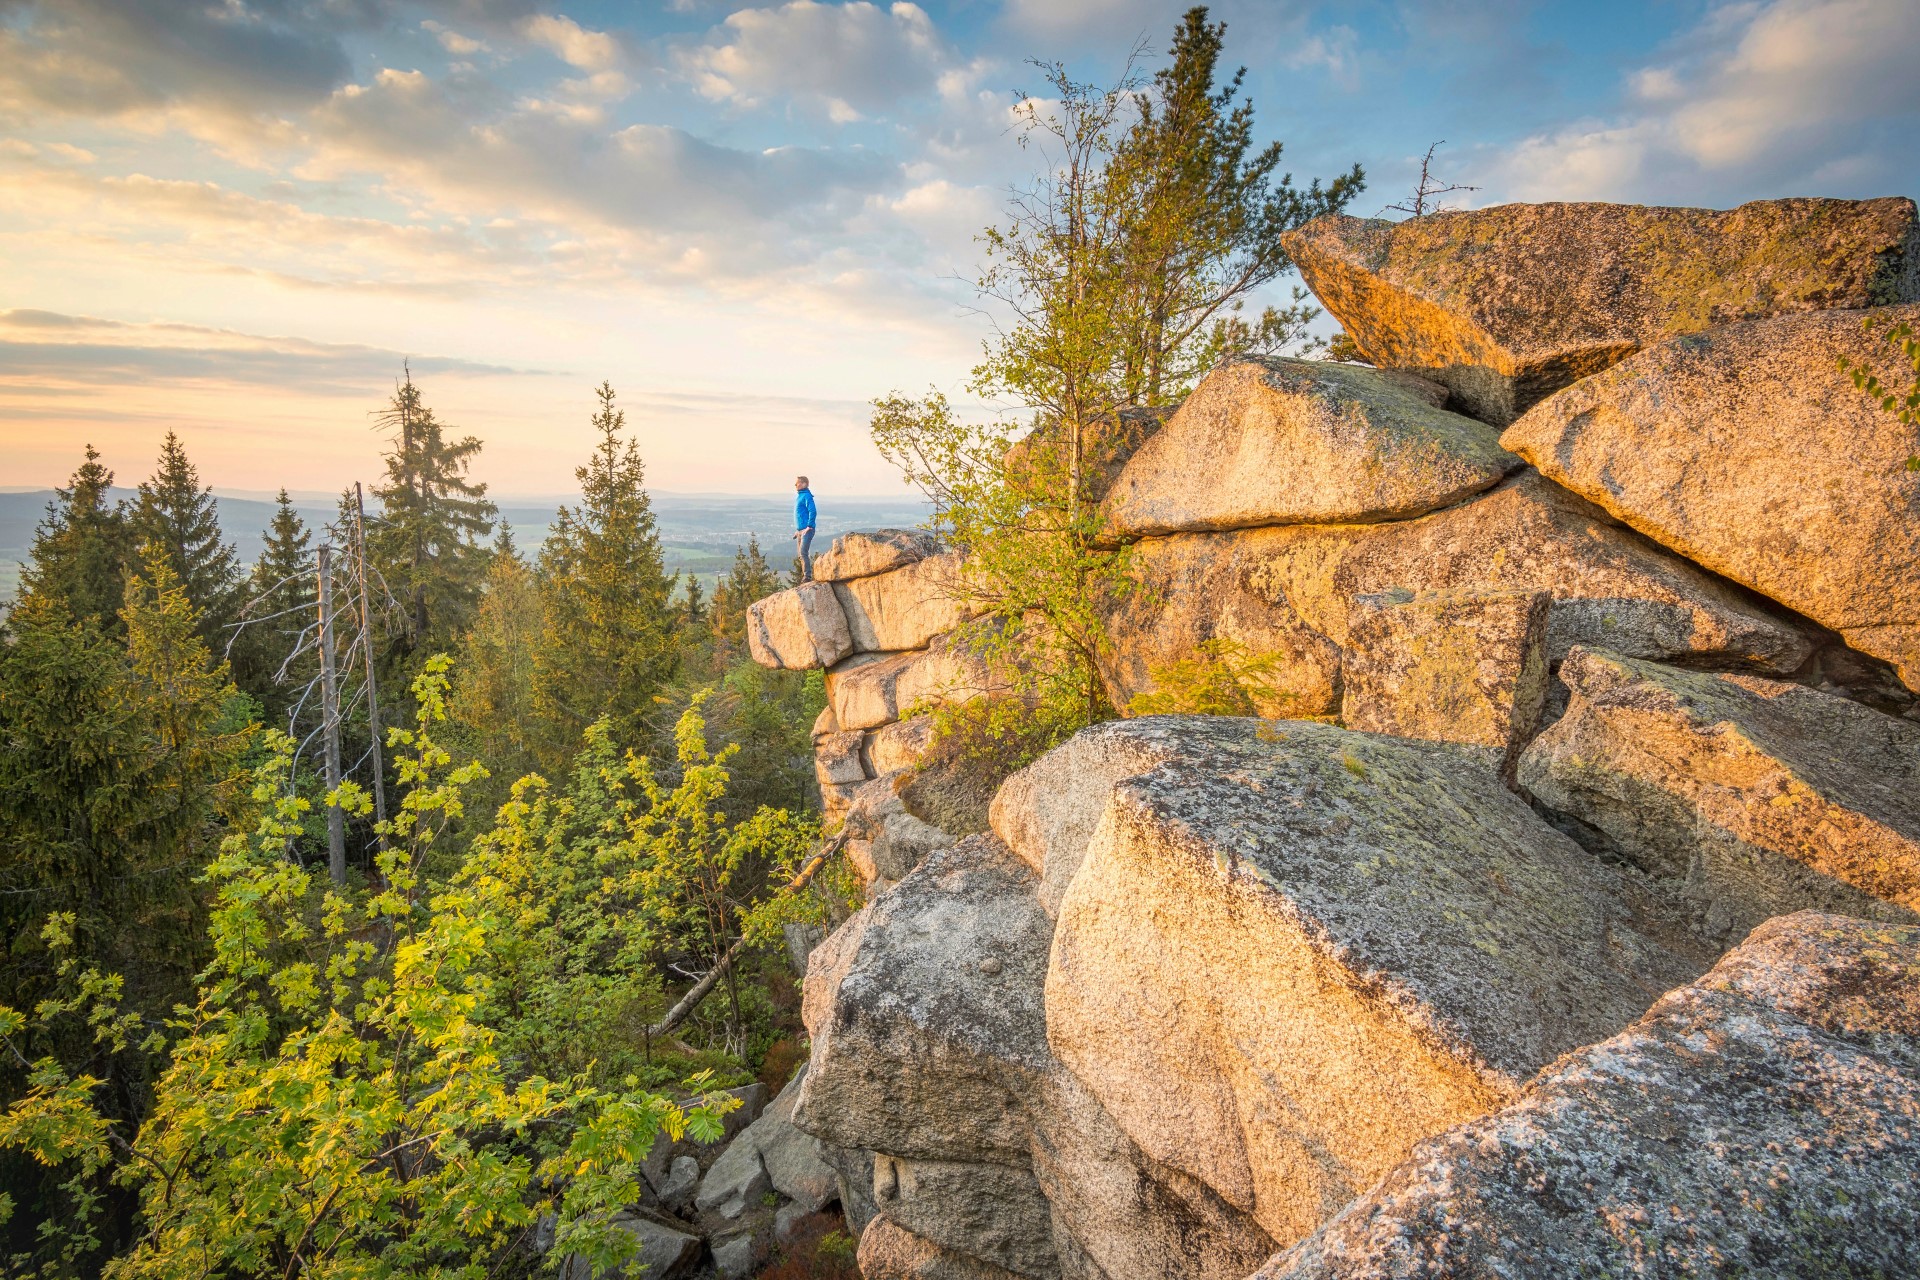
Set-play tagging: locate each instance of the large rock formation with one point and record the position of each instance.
(1302, 442)
(1291, 591)
(1375, 941)
(1216, 986)
(1760, 798)
(1763, 1121)
(930, 1047)
(1747, 451)
(1509, 304)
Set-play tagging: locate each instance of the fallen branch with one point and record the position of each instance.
(700, 990)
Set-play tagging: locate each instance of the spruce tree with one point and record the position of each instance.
(750, 579)
(608, 635)
(426, 541)
(180, 517)
(281, 603)
(82, 549)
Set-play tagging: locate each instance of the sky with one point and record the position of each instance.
(238, 218)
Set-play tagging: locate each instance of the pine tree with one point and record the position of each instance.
(82, 549)
(750, 579)
(180, 517)
(281, 604)
(425, 543)
(608, 636)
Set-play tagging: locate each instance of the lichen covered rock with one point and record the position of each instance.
(1264, 442)
(1763, 1121)
(992, 1211)
(1289, 592)
(1759, 798)
(1507, 305)
(891, 1252)
(1747, 451)
(1292, 952)
(869, 690)
(1465, 666)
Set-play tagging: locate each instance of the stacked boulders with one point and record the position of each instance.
(1588, 623)
(880, 617)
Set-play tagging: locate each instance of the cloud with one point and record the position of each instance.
(46, 350)
(1788, 97)
(452, 41)
(112, 57)
(572, 43)
(683, 203)
(846, 59)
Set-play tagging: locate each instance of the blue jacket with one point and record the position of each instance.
(803, 510)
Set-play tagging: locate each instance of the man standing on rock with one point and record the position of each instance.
(803, 521)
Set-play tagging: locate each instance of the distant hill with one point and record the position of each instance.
(698, 531)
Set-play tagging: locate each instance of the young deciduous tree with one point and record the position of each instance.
(336, 1100)
(1118, 280)
(426, 540)
(180, 517)
(607, 640)
(82, 549)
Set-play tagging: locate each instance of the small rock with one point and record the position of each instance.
(736, 1181)
(664, 1253)
(683, 1176)
(801, 939)
(739, 1254)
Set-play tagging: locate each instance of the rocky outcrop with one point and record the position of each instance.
(927, 1017)
(865, 555)
(1376, 941)
(1763, 1121)
(906, 608)
(1379, 992)
(1747, 451)
(870, 691)
(1290, 592)
(799, 628)
(1509, 304)
(1265, 442)
(1758, 798)
(1467, 666)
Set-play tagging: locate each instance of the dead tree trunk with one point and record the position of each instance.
(366, 653)
(330, 722)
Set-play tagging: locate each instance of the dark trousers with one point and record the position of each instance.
(806, 555)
